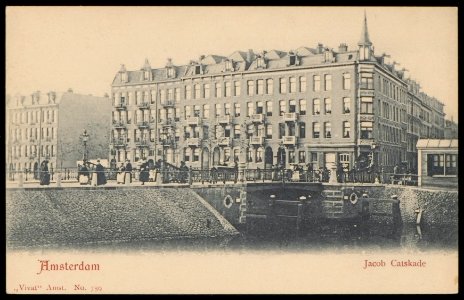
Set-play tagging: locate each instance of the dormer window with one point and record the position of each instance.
(146, 75)
(292, 59)
(197, 70)
(364, 53)
(228, 66)
(123, 77)
(260, 63)
(170, 72)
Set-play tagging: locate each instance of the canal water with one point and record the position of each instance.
(331, 237)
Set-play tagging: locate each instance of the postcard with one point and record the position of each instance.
(231, 150)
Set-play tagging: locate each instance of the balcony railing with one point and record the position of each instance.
(143, 105)
(224, 141)
(289, 140)
(257, 118)
(193, 142)
(118, 142)
(193, 121)
(141, 143)
(168, 103)
(120, 107)
(168, 123)
(224, 119)
(143, 124)
(256, 140)
(290, 117)
(119, 124)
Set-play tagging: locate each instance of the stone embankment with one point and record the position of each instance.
(75, 216)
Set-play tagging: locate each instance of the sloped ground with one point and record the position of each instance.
(57, 217)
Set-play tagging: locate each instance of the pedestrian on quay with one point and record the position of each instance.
(44, 174)
(183, 172)
(235, 171)
(340, 173)
(100, 170)
(121, 174)
(396, 176)
(128, 172)
(83, 174)
(144, 172)
(214, 175)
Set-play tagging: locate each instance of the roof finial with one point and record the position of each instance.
(365, 41)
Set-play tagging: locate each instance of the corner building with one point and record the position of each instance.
(306, 106)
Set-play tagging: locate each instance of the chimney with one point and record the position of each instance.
(320, 48)
(250, 55)
(200, 58)
(106, 95)
(70, 90)
(342, 48)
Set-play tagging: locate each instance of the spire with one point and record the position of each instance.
(365, 41)
(146, 65)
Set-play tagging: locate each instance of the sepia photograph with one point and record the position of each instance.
(231, 150)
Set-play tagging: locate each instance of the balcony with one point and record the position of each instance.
(120, 107)
(257, 118)
(141, 143)
(118, 142)
(290, 117)
(193, 121)
(49, 139)
(256, 140)
(224, 119)
(289, 140)
(119, 124)
(168, 123)
(143, 105)
(143, 125)
(366, 92)
(224, 141)
(32, 156)
(193, 142)
(168, 103)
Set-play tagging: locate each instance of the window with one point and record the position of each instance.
(250, 87)
(302, 107)
(292, 106)
(282, 107)
(366, 130)
(228, 65)
(249, 155)
(227, 109)
(206, 111)
(346, 129)
(346, 105)
(451, 163)
(302, 132)
(196, 154)
(303, 84)
(226, 154)
(283, 85)
(237, 131)
(218, 109)
(291, 129)
(268, 108)
(328, 106)
(301, 157)
(187, 112)
(346, 81)
(146, 75)
(260, 87)
(196, 110)
(316, 130)
(259, 155)
(236, 88)
(292, 84)
(327, 130)
(281, 130)
(170, 72)
(366, 105)
(292, 60)
(259, 107)
(316, 107)
(291, 156)
(218, 90)
(197, 70)
(207, 90)
(260, 62)
(188, 92)
(237, 109)
(367, 81)
(316, 83)
(249, 108)
(328, 82)
(270, 86)
(197, 93)
(228, 89)
(269, 131)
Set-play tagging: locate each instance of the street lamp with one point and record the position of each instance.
(85, 139)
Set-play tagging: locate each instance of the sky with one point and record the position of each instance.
(56, 48)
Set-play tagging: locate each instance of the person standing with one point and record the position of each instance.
(144, 174)
(128, 172)
(83, 175)
(101, 179)
(121, 174)
(44, 174)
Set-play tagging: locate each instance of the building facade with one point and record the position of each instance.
(50, 126)
(306, 106)
(451, 129)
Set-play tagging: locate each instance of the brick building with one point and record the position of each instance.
(309, 105)
(50, 126)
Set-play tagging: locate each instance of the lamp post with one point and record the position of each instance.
(282, 162)
(85, 139)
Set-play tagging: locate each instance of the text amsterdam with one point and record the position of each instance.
(46, 265)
